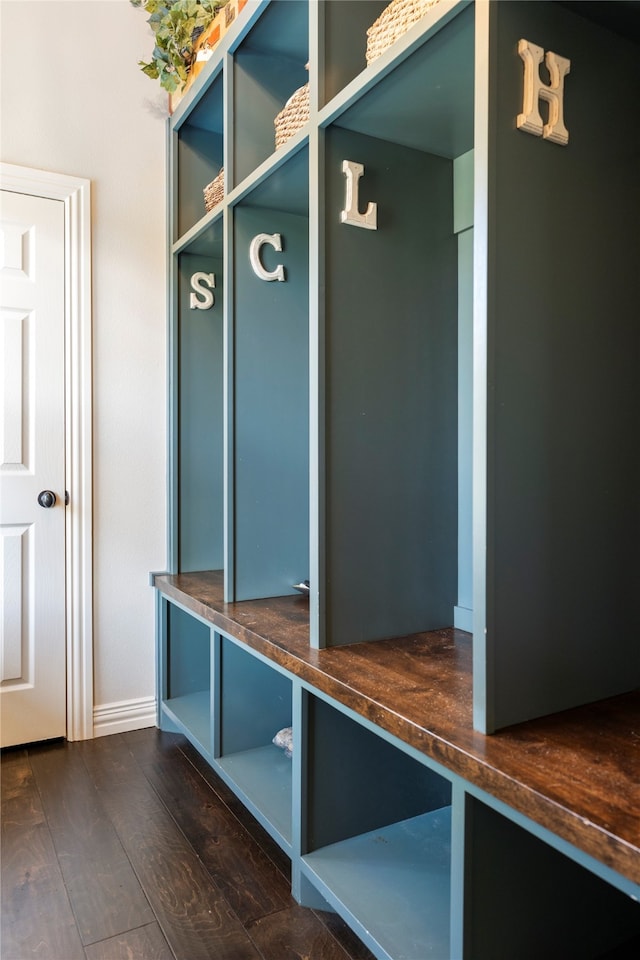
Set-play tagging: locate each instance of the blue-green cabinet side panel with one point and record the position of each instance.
(508, 871)
(463, 172)
(464, 609)
(255, 700)
(188, 653)
(271, 401)
(199, 159)
(269, 67)
(357, 782)
(345, 31)
(427, 100)
(200, 413)
(391, 395)
(563, 502)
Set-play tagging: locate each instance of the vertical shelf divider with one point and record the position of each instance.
(216, 693)
(172, 358)
(229, 386)
(483, 95)
(317, 559)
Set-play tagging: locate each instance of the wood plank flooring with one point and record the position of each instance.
(129, 846)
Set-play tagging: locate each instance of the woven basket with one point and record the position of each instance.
(293, 115)
(214, 191)
(393, 22)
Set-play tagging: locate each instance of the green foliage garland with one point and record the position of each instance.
(177, 24)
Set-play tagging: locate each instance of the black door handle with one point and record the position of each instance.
(46, 498)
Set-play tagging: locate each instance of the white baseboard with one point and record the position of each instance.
(124, 716)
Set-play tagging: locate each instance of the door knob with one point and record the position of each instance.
(46, 498)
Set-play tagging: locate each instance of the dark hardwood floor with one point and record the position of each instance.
(129, 846)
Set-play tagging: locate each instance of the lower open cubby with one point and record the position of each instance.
(415, 843)
(186, 677)
(378, 836)
(253, 704)
(526, 899)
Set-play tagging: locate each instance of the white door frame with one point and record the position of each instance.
(75, 194)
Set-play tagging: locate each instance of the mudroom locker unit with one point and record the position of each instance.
(404, 470)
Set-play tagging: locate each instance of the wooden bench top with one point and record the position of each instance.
(576, 773)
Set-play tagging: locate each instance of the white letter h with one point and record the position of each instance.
(535, 90)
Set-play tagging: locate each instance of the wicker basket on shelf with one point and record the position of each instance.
(293, 115)
(393, 22)
(214, 191)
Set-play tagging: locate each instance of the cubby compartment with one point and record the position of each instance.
(345, 24)
(198, 144)
(254, 703)
(388, 418)
(198, 359)
(377, 841)
(269, 66)
(269, 389)
(440, 120)
(186, 670)
(525, 899)
(389, 411)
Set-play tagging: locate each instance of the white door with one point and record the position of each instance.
(32, 468)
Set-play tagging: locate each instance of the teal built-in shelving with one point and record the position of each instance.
(433, 423)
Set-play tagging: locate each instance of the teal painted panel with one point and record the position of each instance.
(207, 241)
(563, 503)
(207, 112)
(262, 777)
(256, 701)
(199, 160)
(465, 421)
(391, 396)
(191, 715)
(286, 188)
(188, 654)
(199, 154)
(526, 900)
(463, 176)
(271, 402)
(426, 102)
(463, 191)
(282, 31)
(167, 722)
(393, 885)
(358, 782)
(200, 418)
(345, 29)
(269, 67)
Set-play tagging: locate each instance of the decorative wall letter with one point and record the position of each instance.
(274, 240)
(535, 90)
(350, 214)
(197, 281)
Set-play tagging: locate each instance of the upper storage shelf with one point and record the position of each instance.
(344, 25)
(270, 62)
(268, 67)
(198, 150)
(426, 101)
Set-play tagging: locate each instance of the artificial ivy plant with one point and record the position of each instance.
(176, 24)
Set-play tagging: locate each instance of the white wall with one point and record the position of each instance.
(73, 100)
